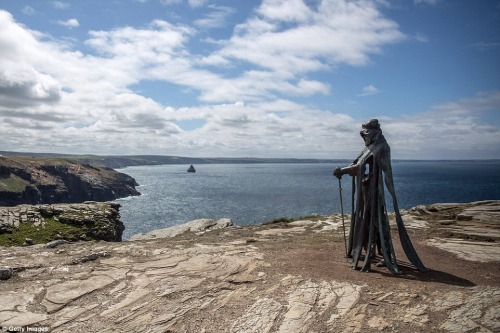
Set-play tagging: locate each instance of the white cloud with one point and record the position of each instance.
(215, 18)
(369, 90)
(196, 3)
(288, 36)
(420, 38)
(426, 2)
(191, 3)
(170, 2)
(60, 5)
(25, 86)
(485, 46)
(28, 10)
(286, 39)
(481, 103)
(285, 10)
(449, 130)
(71, 23)
(159, 39)
(21, 82)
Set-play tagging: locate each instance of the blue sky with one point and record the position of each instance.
(266, 78)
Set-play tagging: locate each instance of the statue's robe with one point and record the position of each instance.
(369, 220)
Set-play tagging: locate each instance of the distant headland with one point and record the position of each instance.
(115, 161)
(43, 180)
(122, 161)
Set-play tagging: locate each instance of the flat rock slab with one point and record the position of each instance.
(470, 231)
(14, 307)
(57, 296)
(468, 250)
(200, 225)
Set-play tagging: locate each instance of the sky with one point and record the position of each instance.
(250, 78)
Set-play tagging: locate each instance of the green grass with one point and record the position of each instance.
(41, 235)
(285, 219)
(13, 184)
(282, 219)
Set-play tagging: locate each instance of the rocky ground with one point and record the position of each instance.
(288, 277)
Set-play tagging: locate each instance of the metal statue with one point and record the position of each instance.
(369, 230)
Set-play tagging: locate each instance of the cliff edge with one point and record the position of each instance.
(281, 277)
(38, 224)
(35, 180)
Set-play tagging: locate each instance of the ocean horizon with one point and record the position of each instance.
(258, 192)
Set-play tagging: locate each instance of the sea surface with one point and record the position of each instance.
(255, 193)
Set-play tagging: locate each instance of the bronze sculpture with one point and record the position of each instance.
(369, 228)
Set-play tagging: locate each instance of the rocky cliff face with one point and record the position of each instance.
(30, 180)
(70, 222)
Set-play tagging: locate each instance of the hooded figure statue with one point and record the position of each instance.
(369, 221)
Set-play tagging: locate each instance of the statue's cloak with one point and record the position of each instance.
(369, 220)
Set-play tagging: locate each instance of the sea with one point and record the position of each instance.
(256, 193)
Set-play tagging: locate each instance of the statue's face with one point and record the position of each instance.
(368, 134)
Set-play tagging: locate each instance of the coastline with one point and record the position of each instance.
(123, 161)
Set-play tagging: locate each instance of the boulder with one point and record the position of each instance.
(28, 242)
(55, 243)
(5, 272)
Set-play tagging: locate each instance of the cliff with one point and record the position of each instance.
(36, 180)
(282, 277)
(38, 224)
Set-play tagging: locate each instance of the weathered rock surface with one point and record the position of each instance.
(288, 277)
(47, 223)
(469, 230)
(196, 226)
(35, 180)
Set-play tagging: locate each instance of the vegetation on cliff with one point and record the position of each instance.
(41, 224)
(37, 180)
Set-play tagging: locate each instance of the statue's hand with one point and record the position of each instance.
(337, 173)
